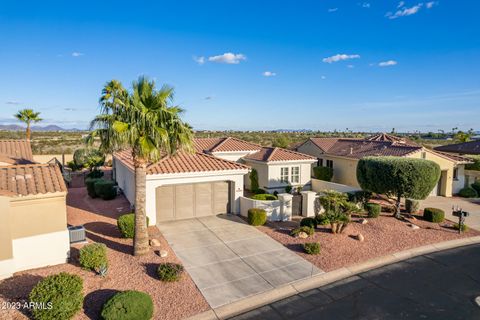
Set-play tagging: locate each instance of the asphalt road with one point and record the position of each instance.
(441, 285)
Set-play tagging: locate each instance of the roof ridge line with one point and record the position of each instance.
(272, 153)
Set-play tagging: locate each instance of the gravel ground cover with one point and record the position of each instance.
(175, 300)
(382, 236)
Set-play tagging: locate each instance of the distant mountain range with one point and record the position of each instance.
(16, 127)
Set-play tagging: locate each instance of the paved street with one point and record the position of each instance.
(470, 205)
(441, 285)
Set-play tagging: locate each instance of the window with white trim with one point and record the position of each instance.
(284, 174)
(330, 164)
(295, 178)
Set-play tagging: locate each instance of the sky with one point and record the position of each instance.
(250, 65)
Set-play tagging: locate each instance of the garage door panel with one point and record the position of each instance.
(203, 199)
(184, 201)
(165, 203)
(220, 200)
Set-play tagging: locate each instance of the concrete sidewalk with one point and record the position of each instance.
(470, 205)
(229, 260)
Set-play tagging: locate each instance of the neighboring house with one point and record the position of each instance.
(471, 147)
(15, 152)
(343, 154)
(211, 180)
(33, 215)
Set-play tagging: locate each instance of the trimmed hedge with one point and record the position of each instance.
(476, 186)
(412, 206)
(63, 292)
(309, 222)
(433, 215)
(288, 189)
(126, 225)
(265, 197)
(93, 256)
(456, 226)
(259, 191)
(169, 272)
(308, 230)
(323, 173)
(95, 174)
(90, 184)
(468, 193)
(105, 189)
(128, 305)
(373, 210)
(311, 247)
(257, 217)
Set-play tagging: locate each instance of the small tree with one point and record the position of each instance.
(254, 180)
(28, 116)
(398, 177)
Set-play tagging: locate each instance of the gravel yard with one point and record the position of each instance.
(175, 300)
(383, 235)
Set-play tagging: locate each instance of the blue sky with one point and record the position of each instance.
(247, 65)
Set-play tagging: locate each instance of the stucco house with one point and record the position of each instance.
(211, 180)
(342, 155)
(33, 212)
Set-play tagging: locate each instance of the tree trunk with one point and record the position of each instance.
(397, 208)
(28, 131)
(140, 240)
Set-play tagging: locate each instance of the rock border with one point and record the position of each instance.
(259, 300)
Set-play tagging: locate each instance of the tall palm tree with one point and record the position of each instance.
(144, 121)
(28, 116)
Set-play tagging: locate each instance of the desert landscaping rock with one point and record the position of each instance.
(163, 253)
(302, 235)
(414, 226)
(360, 237)
(363, 221)
(154, 242)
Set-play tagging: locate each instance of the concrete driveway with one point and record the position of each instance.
(229, 260)
(470, 205)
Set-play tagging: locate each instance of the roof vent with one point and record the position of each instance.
(351, 150)
(19, 177)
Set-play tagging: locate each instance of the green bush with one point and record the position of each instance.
(433, 215)
(468, 193)
(322, 219)
(63, 292)
(90, 184)
(259, 191)
(254, 180)
(475, 165)
(88, 158)
(456, 226)
(126, 225)
(264, 196)
(373, 209)
(308, 230)
(288, 189)
(169, 272)
(476, 186)
(105, 189)
(95, 174)
(359, 197)
(311, 247)
(257, 217)
(309, 222)
(412, 206)
(128, 305)
(323, 173)
(93, 256)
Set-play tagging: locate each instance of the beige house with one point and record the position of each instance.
(33, 214)
(343, 154)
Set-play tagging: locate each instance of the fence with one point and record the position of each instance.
(273, 208)
(321, 185)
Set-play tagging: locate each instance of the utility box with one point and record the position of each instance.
(77, 234)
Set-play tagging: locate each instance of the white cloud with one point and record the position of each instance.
(400, 4)
(13, 102)
(332, 9)
(404, 11)
(365, 5)
(269, 74)
(77, 54)
(350, 66)
(388, 63)
(340, 57)
(323, 77)
(208, 98)
(430, 4)
(199, 60)
(228, 58)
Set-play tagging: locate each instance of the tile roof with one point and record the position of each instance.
(394, 139)
(16, 152)
(267, 154)
(183, 162)
(31, 179)
(228, 144)
(453, 157)
(471, 147)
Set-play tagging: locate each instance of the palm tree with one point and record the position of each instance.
(28, 116)
(144, 121)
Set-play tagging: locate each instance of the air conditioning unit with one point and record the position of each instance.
(77, 234)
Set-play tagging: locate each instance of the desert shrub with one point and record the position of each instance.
(323, 173)
(456, 226)
(93, 256)
(373, 210)
(90, 184)
(62, 291)
(264, 196)
(126, 225)
(95, 174)
(476, 186)
(128, 305)
(311, 247)
(257, 217)
(338, 219)
(259, 191)
(475, 165)
(468, 193)
(308, 230)
(322, 219)
(433, 214)
(88, 158)
(412, 206)
(73, 166)
(254, 180)
(169, 272)
(288, 189)
(309, 222)
(105, 189)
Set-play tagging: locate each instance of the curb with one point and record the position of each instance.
(279, 293)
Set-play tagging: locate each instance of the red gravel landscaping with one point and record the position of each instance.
(175, 300)
(383, 235)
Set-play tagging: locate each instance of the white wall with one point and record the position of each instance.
(273, 208)
(459, 184)
(40, 250)
(321, 185)
(232, 156)
(274, 174)
(155, 181)
(125, 178)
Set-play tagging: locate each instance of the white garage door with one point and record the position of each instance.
(185, 201)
